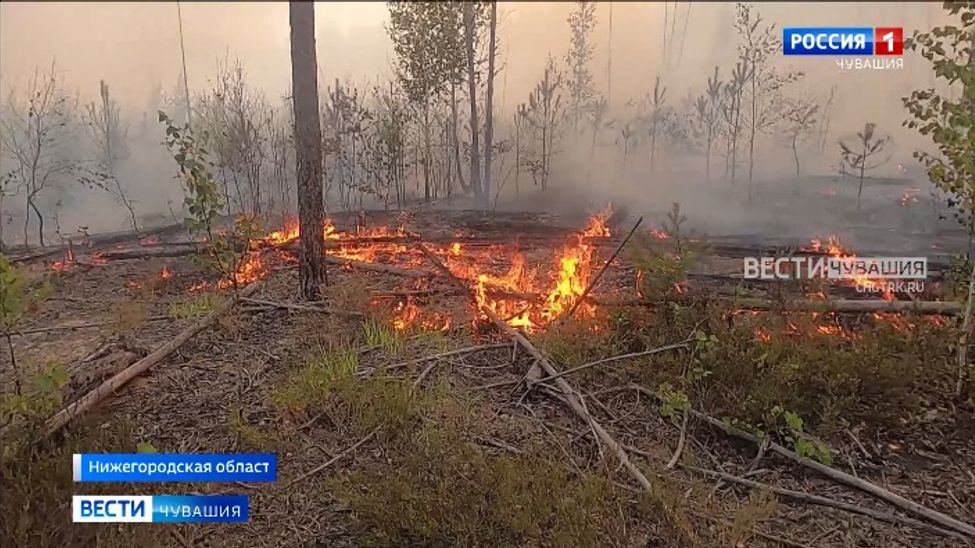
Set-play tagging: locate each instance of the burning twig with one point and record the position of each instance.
(599, 274)
(569, 395)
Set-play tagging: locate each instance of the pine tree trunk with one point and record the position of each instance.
(308, 143)
(489, 107)
(472, 91)
(454, 137)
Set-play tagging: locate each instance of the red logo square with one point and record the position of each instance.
(888, 41)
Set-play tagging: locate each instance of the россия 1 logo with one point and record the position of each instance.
(878, 48)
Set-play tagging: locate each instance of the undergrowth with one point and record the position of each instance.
(438, 488)
(195, 306)
(745, 368)
(36, 482)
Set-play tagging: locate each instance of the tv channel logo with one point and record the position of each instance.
(843, 41)
(160, 509)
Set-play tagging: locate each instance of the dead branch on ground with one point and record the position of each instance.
(840, 477)
(569, 395)
(89, 400)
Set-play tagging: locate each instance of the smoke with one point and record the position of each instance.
(134, 47)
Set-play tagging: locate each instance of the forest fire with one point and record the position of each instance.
(66, 261)
(526, 303)
(286, 235)
(573, 270)
(834, 248)
(250, 269)
(909, 197)
(166, 274)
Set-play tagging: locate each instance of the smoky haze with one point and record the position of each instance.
(135, 49)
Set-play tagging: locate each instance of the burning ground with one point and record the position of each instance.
(434, 429)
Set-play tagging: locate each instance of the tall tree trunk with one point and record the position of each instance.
(182, 51)
(609, 62)
(966, 324)
(308, 142)
(863, 168)
(517, 157)
(707, 156)
(454, 137)
(40, 222)
(472, 91)
(489, 107)
(751, 138)
(795, 153)
(426, 151)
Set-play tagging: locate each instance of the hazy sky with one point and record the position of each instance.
(135, 46)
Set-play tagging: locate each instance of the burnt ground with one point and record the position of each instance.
(221, 392)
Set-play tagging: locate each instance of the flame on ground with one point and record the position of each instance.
(66, 261)
(834, 248)
(573, 269)
(250, 269)
(909, 197)
(571, 277)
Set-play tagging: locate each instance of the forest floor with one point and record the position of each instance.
(432, 435)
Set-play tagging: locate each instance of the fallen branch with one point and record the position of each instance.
(824, 501)
(499, 444)
(612, 359)
(334, 459)
(85, 325)
(423, 374)
(680, 441)
(301, 307)
(570, 396)
(457, 352)
(377, 267)
(95, 241)
(944, 308)
(908, 506)
(173, 250)
(89, 400)
(852, 305)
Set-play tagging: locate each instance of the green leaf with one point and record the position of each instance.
(145, 447)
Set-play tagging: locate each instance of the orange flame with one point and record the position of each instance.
(250, 269)
(835, 249)
(166, 273)
(66, 261)
(405, 314)
(286, 235)
(570, 279)
(909, 197)
(596, 226)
